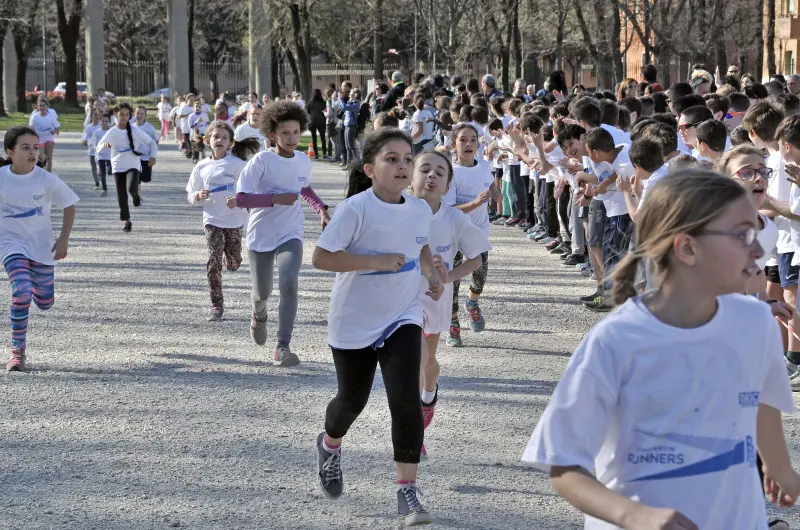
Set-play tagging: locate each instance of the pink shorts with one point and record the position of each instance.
(47, 142)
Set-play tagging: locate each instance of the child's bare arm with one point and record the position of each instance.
(579, 488)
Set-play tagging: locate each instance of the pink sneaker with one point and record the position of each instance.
(428, 410)
(17, 361)
(423, 453)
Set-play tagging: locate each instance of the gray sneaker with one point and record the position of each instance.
(216, 314)
(330, 471)
(258, 330)
(409, 510)
(285, 357)
(794, 375)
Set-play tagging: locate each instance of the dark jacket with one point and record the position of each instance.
(315, 109)
(394, 95)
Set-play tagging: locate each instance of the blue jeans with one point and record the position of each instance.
(351, 143)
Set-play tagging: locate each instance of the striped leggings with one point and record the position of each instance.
(30, 280)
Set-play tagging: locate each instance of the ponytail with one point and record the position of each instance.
(357, 180)
(239, 118)
(624, 277)
(130, 139)
(243, 149)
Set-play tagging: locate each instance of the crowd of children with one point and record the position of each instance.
(683, 206)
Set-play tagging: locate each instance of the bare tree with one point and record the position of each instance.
(23, 31)
(770, 38)
(6, 17)
(69, 26)
(377, 41)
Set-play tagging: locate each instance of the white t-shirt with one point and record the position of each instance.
(88, 133)
(122, 157)
(427, 127)
(163, 110)
(199, 121)
(219, 177)
(100, 153)
(183, 117)
(613, 199)
(245, 130)
(45, 126)
(366, 306)
(780, 188)
(620, 137)
(467, 184)
(667, 416)
(657, 175)
(150, 131)
(451, 231)
(768, 238)
(554, 157)
(269, 172)
(245, 106)
(25, 204)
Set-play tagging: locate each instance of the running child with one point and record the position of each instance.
(29, 252)
(378, 243)
(143, 125)
(44, 121)
(212, 185)
(86, 138)
(269, 187)
(451, 232)
(661, 462)
(102, 154)
(126, 165)
(198, 123)
(473, 186)
(164, 114)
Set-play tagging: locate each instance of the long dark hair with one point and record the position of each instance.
(241, 149)
(357, 180)
(11, 138)
(124, 106)
(317, 94)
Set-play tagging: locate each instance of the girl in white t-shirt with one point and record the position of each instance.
(269, 187)
(27, 247)
(423, 125)
(451, 232)
(164, 114)
(212, 185)
(377, 243)
(123, 141)
(45, 122)
(472, 187)
(248, 126)
(658, 417)
(173, 118)
(198, 123)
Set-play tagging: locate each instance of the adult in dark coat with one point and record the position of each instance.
(395, 93)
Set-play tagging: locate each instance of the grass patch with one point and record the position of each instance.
(71, 120)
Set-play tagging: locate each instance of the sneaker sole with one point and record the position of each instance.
(454, 344)
(416, 519)
(287, 363)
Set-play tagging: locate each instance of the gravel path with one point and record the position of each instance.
(138, 413)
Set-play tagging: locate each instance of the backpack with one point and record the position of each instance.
(363, 117)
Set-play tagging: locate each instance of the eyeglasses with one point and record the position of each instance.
(748, 173)
(689, 125)
(748, 236)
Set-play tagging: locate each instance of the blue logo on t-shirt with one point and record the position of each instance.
(17, 212)
(748, 399)
(445, 248)
(225, 187)
(421, 240)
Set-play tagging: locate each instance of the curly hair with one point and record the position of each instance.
(279, 111)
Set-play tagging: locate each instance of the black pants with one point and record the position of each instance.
(333, 149)
(399, 358)
(103, 169)
(530, 211)
(131, 177)
(550, 203)
(147, 172)
(518, 192)
(563, 213)
(342, 144)
(318, 128)
(189, 149)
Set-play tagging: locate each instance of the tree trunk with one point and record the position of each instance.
(771, 68)
(302, 46)
(190, 29)
(295, 70)
(3, 30)
(69, 31)
(21, 46)
(377, 41)
(517, 42)
(616, 38)
(275, 86)
(560, 45)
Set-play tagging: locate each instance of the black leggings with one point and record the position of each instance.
(317, 128)
(552, 207)
(132, 178)
(399, 358)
